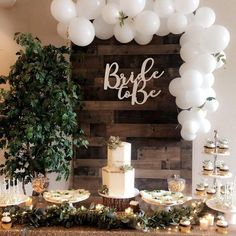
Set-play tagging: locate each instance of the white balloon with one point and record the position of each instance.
(164, 8)
(191, 79)
(216, 39)
(132, 7)
(197, 114)
(204, 126)
(90, 9)
(149, 5)
(62, 30)
(143, 39)
(177, 23)
(175, 87)
(102, 29)
(196, 97)
(183, 68)
(124, 33)
(81, 31)
(208, 81)
(190, 18)
(182, 102)
(111, 13)
(205, 17)
(187, 136)
(188, 52)
(147, 22)
(186, 6)
(211, 106)
(190, 126)
(63, 10)
(205, 63)
(113, 1)
(221, 59)
(163, 29)
(183, 116)
(210, 93)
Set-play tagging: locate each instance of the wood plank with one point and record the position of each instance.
(137, 50)
(102, 117)
(143, 130)
(96, 141)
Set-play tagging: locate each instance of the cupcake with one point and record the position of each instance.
(219, 163)
(6, 221)
(223, 146)
(211, 192)
(135, 206)
(209, 147)
(223, 170)
(222, 226)
(185, 226)
(200, 190)
(208, 168)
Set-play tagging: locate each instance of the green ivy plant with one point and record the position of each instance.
(38, 118)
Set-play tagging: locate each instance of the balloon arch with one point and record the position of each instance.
(202, 43)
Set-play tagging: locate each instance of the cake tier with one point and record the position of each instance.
(119, 183)
(120, 156)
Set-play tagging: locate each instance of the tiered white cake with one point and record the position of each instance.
(118, 175)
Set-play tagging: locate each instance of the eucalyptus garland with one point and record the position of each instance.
(104, 217)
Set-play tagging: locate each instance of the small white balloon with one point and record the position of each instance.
(143, 39)
(211, 106)
(62, 30)
(196, 97)
(205, 17)
(163, 29)
(63, 10)
(221, 59)
(177, 23)
(188, 52)
(183, 116)
(205, 63)
(102, 29)
(184, 67)
(81, 31)
(175, 87)
(186, 6)
(182, 102)
(190, 126)
(164, 8)
(204, 126)
(124, 33)
(132, 7)
(147, 22)
(197, 113)
(216, 39)
(111, 13)
(90, 9)
(208, 81)
(191, 79)
(187, 136)
(210, 93)
(149, 5)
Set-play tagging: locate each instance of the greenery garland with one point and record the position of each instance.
(103, 218)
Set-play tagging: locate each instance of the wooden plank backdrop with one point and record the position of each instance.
(157, 149)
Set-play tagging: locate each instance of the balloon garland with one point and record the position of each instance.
(202, 44)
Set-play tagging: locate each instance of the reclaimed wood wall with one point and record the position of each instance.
(157, 149)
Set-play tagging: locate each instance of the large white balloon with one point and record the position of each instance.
(164, 8)
(210, 93)
(205, 17)
(163, 29)
(81, 31)
(182, 102)
(183, 116)
(216, 39)
(175, 87)
(188, 52)
(211, 106)
(90, 9)
(124, 33)
(197, 113)
(190, 126)
(111, 13)
(191, 79)
(205, 63)
(62, 30)
(149, 5)
(184, 67)
(186, 6)
(143, 39)
(63, 10)
(102, 29)
(196, 97)
(147, 22)
(132, 7)
(204, 126)
(177, 23)
(187, 136)
(208, 81)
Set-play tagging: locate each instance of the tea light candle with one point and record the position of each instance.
(99, 207)
(129, 211)
(29, 202)
(204, 223)
(210, 219)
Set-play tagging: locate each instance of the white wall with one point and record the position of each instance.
(34, 16)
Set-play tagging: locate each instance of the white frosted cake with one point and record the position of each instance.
(118, 175)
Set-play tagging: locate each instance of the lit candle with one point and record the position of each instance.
(210, 219)
(129, 211)
(99, 207)
(29, 202)
(204, 224)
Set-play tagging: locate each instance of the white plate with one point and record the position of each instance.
(229, 175)
(218, 154)
(134, 194)
(21, 199)
(212, 203)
